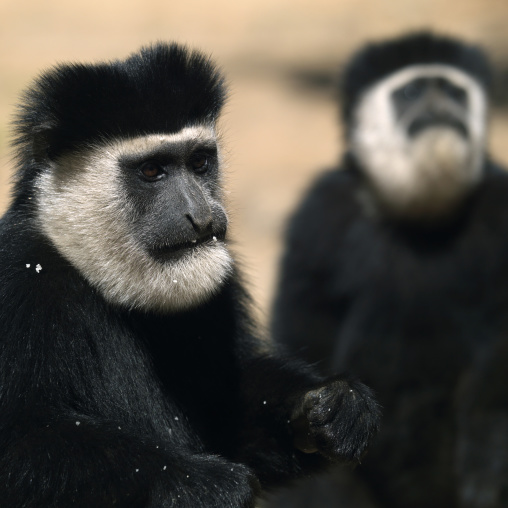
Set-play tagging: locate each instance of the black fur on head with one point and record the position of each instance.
(160, 89)
(376, 61)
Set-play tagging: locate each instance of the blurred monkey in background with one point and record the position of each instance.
(396, 266)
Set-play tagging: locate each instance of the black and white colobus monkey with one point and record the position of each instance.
(130, 372)
(396, 266)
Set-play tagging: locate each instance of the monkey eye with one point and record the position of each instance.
(413, 90)
(454, 92)
(200, 162)
(151, 171)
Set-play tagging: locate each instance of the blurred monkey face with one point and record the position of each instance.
(419, 136)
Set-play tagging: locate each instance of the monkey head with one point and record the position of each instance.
(124, 164)
(416, 111)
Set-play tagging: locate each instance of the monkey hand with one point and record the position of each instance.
(337, 419)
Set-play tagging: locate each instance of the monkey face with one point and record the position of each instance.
(173, 186)
(142, 218)
(430, 102)
(419, 136)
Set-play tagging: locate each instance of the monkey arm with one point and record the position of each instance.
(76, 460)
(296, 422)
(292, 421)
(82, 421)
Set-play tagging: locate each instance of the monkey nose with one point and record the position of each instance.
(201, 223)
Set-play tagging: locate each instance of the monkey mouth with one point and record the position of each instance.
(427, 122)
(175, 251)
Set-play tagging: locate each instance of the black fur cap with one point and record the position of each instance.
(376, 61)
(161, 88)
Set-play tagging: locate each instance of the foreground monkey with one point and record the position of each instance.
(130, 369)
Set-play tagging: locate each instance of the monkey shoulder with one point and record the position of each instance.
(491, 200)
(487, 235)
(32, 272)
(331, 196)
(310, 291)
(483, 237)
(329, 208)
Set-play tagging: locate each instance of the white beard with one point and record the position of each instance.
(427, 176)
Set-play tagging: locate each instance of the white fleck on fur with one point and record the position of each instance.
(428, 175)
(83, 210)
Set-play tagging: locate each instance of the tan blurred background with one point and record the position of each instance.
(281, 58)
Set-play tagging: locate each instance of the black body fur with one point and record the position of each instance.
(417, 311)
(103, 406)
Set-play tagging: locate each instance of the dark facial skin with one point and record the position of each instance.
(175, 194)
(429, 102)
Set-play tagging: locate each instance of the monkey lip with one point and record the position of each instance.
(176, 251)
(425, 122)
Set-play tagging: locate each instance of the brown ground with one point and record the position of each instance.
(280, 126)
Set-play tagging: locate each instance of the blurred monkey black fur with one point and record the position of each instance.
(396, 266)
(130, 372)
